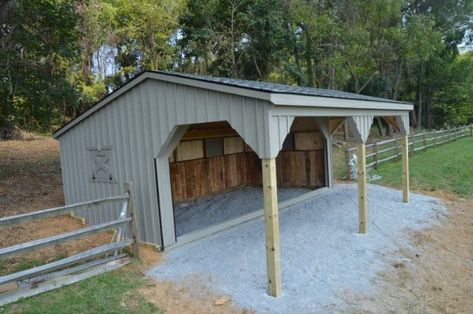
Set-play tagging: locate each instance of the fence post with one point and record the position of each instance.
(424, 137)
(375, 148)
(396, 143)
(135, 247)
(471, 130)
(413, 144)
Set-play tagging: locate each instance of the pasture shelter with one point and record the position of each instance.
(185, 139)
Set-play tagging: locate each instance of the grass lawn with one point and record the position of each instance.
(114, 292)
(448, 167)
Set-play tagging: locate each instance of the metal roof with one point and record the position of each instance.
(279, 88)
(278, 94)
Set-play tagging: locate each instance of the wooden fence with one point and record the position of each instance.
(383, 151)
(77, 267)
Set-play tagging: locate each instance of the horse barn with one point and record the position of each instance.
(206, 153)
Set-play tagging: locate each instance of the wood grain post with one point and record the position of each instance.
(405, 169)
(135, 247)
(362, 202)
(424, 137)
(271, 218)
(376, 157)
(398, 150)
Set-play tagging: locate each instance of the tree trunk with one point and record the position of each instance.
(397, 83)
(381, 129)
(419, 110)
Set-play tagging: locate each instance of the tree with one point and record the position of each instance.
(39, 44)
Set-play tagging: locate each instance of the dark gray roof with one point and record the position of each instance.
(279, 88)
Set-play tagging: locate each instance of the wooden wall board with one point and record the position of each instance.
(253, 169)
(232, 145)
(188, 150)
(308, 141)
(315, 168)
(216, 174)
(292, 168)
(302, 124)
(209, 130)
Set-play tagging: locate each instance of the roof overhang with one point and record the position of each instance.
(277, 99)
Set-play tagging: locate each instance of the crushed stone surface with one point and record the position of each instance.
(218, 208)
(323, 258)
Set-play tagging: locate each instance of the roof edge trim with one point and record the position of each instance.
(336, 102)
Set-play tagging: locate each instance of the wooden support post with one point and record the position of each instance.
(405, 168)
(424, 137)
(376, 157)
(398, 153)
(362, 202)
(135, 247)
(272, 226)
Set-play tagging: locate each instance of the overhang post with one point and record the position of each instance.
(360, 128)
(271, 218)
(402, 122)
(362, 202)
(405, 168)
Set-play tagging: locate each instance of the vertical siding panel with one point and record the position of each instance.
(132, 150)
(91, 128)
(98, 134)
(149, 133)
(147, 156)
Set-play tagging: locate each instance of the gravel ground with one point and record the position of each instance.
(323, 258)
(221, 207)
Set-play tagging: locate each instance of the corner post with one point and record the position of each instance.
(362, 202)
(271, 218)
(405, 168)
(135, 247)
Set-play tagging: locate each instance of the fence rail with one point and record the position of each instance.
(85, 264)
(386, 150)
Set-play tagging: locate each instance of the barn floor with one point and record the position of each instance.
(221, 207)
(324, 260)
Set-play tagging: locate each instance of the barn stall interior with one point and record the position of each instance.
(217, 177)
(183, 139)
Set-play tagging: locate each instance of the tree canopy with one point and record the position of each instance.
(58, 57)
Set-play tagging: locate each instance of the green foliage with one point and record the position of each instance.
(454, 103)
(59, 57)
(38, 44)
(447, 168)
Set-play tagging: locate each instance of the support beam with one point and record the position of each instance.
(405, 168)
(271, 218)
(362, 203)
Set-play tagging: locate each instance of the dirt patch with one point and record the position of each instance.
(30, 175)
(19, 233)
(182, 298)
(436, 276)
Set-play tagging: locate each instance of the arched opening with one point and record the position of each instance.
(216, 177)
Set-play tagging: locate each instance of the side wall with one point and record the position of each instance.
(136, 126)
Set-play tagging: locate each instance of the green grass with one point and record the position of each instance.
(448, 167)
(114, 292)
